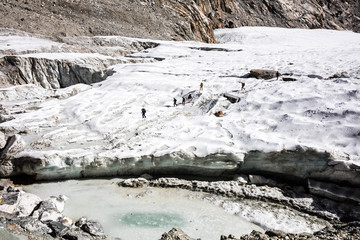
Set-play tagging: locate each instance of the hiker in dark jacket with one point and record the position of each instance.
(143, 111)
(174, 102)
(277, 75)
(190, 98)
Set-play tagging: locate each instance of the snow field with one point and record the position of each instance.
(314, 111)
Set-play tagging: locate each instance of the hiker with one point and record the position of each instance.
(201, 86)
(242, 85)
(190, 98)
(174, 102)
(143, 111)
(277, 75)
(183, 101)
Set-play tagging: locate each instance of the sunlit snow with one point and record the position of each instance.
(104, 122)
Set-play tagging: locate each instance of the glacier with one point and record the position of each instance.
(308, 128)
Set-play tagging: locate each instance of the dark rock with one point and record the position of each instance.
(289, 79)
(80, 222)
(93, 227)
(208, 49)
(77, 234)
(58, 229)
(231, 98)
(315, 76)
(275, 233)
(263, 74)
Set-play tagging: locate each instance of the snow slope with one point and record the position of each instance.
(103, 123)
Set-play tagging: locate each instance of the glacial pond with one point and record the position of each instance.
(144, 213)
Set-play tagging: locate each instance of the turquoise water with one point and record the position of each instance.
(144, 213)
(152, 220)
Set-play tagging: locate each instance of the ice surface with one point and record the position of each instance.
(144, 213)
(103, 124)
(16, 44)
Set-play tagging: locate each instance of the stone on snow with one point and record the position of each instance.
(263, 74)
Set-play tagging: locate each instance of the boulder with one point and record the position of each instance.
(93, 227)
(263, 74)
(27, 204)
(231, 98)
(315, 76)
(90, 226)
(58, 229)
(175, 234)
(52, 204)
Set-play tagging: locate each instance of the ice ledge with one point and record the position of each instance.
(334, 191)
(291, 165)
(301, 164)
